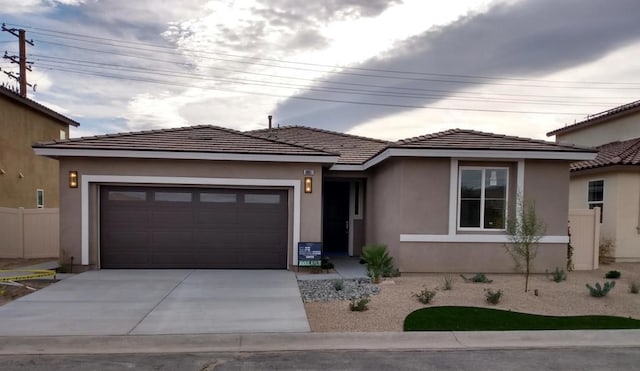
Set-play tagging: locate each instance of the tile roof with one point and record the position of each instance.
(353, 150)
(478, 140)
(203, 138)
(4, 92)
(615, 153)
(624, 109)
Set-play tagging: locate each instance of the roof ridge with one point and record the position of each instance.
(596, 116)
(279, 140)
(327, 132)
(128, 133)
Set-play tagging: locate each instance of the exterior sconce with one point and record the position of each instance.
(73, 179)
(308, 185)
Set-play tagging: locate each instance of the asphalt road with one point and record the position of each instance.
(496, 360)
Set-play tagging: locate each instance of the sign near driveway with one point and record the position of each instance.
(310, 254)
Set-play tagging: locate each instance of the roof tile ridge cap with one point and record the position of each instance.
(382, 141)
(530, 140)
(280, 141)
(600, 115)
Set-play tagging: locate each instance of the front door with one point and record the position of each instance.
(335, 217)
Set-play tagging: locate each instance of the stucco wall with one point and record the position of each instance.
(411, 196)
(20, 127)
(70, 211)
(621, 217)
(623, 128)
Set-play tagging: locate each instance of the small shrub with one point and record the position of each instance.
(477, 278)
(359, 305)
(338, 285)
(613, 274)
(447, 282)
(425, 296)
(326, 264)
(378, 261)
(558, 275)
(493, 297)
(599, 291)
(634, 287)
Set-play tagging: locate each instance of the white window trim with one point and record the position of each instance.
(39, 205)
(482, 198)
(473, 238)
(599, 204)
(86, 181)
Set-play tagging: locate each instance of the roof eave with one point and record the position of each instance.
(40, 108)
(183, 155)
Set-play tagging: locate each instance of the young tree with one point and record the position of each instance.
(524, 230)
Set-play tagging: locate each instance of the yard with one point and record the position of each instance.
(396, 300)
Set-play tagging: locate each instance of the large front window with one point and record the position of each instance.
(482, 198)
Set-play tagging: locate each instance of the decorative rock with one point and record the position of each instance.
(323, 290)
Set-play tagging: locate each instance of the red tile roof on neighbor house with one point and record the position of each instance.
(203, 138)
(353, 150)
(8, 93)
(617, 153)
(478, 140)
(612, 113)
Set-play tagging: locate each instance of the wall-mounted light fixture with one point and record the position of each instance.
(308, 185)
(73, 179)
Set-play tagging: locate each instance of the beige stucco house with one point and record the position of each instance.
(612, 180)
(211, 197)
(27, 180)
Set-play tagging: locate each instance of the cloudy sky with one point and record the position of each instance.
(382, 68)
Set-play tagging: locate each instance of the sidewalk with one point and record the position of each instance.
(317, 341)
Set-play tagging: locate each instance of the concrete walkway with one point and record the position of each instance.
(146, 302)
(318, 341)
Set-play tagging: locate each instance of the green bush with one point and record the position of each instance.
(477, 278)
(599, 291)
(326, 264)
(634, 287)
(613, 274)
(378, 261)
(558, 275)
(359, 305)
(425, 296)
(338, 285)
(447, 282)
(493, 297)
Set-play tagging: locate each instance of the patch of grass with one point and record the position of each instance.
(487, 319)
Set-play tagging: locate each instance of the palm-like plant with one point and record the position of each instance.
(378, 261)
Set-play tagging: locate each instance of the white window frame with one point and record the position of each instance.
(38, 198)
(482, 198)
(599, 204)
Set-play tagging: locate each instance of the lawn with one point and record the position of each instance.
(454, 318)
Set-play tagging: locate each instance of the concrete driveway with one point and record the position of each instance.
(146, 302)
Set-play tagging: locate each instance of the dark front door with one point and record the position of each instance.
(335, 218)
(158, 227)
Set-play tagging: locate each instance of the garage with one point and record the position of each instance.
(182, 227)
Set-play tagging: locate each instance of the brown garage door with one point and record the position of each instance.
(152, 227)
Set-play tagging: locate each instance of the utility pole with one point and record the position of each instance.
(21, 60)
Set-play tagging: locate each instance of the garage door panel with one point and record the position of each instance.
(164, 227)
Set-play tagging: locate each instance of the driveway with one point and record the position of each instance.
(146, 302)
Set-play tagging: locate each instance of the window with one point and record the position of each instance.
(252, 198)
(63, 134)
(172, 196)
(482, 198)
(221, 198)
(127, 196)
(596, 196)
(39, 198)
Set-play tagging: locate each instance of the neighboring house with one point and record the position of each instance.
(27, 180)
(612, 180)
(211, 197)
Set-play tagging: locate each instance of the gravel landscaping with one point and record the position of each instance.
(324, 290)
(388, 309)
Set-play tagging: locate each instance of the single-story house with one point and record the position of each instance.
(212, 197)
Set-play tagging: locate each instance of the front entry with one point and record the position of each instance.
(335, 217)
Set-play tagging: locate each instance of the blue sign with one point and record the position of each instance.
(309, 254)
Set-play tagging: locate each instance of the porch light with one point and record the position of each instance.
(73, 179)
(308, 186)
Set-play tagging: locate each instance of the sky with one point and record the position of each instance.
(387, 69)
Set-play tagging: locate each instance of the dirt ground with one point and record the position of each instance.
(388, 310)
(9, 293)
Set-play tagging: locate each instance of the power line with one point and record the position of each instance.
(49, 31)
(310, 98)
